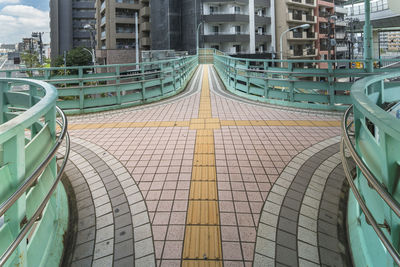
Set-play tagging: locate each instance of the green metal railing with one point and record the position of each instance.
(372, 139)
(33, 205)
(107, 87)
(303, 84)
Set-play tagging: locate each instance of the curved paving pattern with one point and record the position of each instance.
(119, 233)
(203, 164)
(300, 219)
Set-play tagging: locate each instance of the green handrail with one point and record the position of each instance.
(373, 209)
(30, 193)
(106, 87)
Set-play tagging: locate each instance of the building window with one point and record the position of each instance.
(237, 9)
(213, 10)
(237, 29)
(215, 29)
(237, 48)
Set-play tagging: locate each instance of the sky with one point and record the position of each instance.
(19, 18)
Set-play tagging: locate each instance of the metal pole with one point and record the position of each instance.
(197, 38)
(137, 40)
(368, 42)
(281, 46)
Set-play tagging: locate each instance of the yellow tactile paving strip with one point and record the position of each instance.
(202, 243)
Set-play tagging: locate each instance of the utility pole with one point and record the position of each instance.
(137, 40)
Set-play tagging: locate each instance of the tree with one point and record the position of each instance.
(30, 61)
(75, 57)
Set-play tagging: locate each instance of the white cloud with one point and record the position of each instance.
(10, 1)
(19, 21)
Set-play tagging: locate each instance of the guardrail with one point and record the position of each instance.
(372, 140)
(33, 205)
(106, 87)
(294, 83)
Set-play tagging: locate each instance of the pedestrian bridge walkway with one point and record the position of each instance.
(204, 179)
(207, 173)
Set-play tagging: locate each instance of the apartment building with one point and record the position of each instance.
(116, 34)
(342, 46)
(236, 27)
(393, 41)
(299, 43)
(67, 24)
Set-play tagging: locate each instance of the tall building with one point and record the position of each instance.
(239, 26)
(166, 26)
(116, 34)
(299, 43)
(245, 26)
(342, 46)
(67, 24)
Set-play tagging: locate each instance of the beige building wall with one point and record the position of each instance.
(303, 43)
(115, 30)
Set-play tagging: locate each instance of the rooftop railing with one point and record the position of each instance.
(33, 204)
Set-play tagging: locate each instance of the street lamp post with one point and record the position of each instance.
(197, 38)
(303, 26)
(92, 44)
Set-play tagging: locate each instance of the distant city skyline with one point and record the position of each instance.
(19, 18)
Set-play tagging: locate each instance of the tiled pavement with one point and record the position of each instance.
(259, 181)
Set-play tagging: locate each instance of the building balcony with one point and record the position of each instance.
(301, 18)
(340, 10)
(127, 4)
(125, 35)
(302, 53)
(145, 41)
(340, 35)
(326, 3)
(226, 37)
(226, 17)
(124, 20)
(263, 38)
(341, 48)
(145, 12)
(145, 27)
(302, 3)
(262, 20)
(341, 23)
(306, 36)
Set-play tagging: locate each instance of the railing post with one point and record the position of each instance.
(236, 73)
(142, 81)
(247, 77)
(16, 215)
(162, 78)
(266, 85)
(228, 76)
(32, 94)
(291, 82)
(382, 93)
(331, 84)
(81, 92)
(3, 88)
(117, 84)
(174, 74)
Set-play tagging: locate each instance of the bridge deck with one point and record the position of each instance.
(207, 179)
